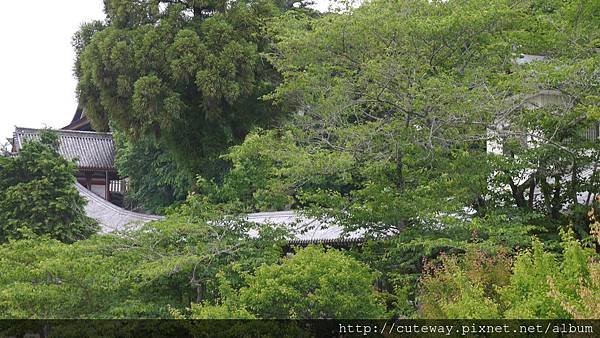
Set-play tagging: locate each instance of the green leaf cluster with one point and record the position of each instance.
(311, 284)
(38, 195)
(186, 73)
(140, 274)
(537, 285)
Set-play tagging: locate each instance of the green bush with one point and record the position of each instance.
(539, 284)
(38, 195)
(311, 284)
(463, 287)
(140, 274)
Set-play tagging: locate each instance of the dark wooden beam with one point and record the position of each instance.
(107, 186)
(88, 180)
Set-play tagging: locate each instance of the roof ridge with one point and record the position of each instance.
(273, 213)
(90, 137)
(92, 149)
(102, 133)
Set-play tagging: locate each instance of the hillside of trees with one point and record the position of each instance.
(377, 118)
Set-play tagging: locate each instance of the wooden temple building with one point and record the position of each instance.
(103, 189)
(94, 153)
(79, 122)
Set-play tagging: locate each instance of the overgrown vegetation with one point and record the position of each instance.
(310, 284)
(537, 284)
(142, 274)
(188, 74)
(469, 165)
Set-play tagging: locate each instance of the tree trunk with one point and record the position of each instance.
(399, 171)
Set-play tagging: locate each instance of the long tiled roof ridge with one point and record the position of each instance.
(290, 213)
(109, 216)
(65, 131)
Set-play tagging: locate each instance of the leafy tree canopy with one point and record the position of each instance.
(188, 73)
(312, 284)
(141, 274)
(395, 105)
(181, 78)
(38, 195)
(394, 117)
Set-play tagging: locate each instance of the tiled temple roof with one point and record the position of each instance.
(95, 150)
(304, 230)
(91, 150)
(109, 216)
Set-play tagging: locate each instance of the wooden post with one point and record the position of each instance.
(106, 186)
(88, 180)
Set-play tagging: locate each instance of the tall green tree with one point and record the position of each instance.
(390, 113)
(390, 117)
(187, 73)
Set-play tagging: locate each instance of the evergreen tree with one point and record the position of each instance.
(188, 73)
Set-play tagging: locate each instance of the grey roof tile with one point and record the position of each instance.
(91, 150)
(305, 230)
(109, 216)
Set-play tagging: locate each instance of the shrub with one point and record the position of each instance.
(585, 303)
(463, 287)
(540, 284)
(38, 195)
(311, 284)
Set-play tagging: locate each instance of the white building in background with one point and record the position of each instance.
(502, 132)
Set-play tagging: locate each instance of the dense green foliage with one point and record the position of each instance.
(38, 195)
(155, 179)
(427, 125)
(142, 274)
(536, 285)
(394, 117)
(186, 74)
(311, 284)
